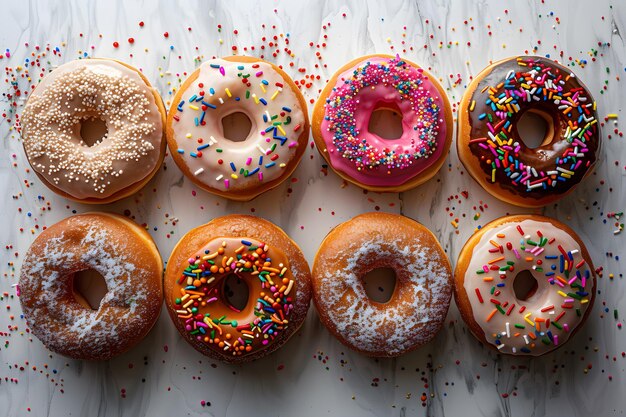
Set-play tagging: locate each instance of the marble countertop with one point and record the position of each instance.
(314, 374)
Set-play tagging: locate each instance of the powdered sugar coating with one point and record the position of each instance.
(414, 313)
(62, 324)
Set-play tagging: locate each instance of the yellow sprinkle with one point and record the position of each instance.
(188, 135)
(493, 175)
(256, 99)
(228, 92)
(282, 130)
(611, 116)
(282, 165)
(274, 95)
(211, 256)
(234, 176)
(455, 224)
(584, 301)
(472, 105)
(561, 293)
(192, 107)
(263, 88)
(528, 320)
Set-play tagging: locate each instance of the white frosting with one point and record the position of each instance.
(414, 318)
(546, 295)
(84, 89)
(245, 155)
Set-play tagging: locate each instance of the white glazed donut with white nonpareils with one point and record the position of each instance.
(120, 163)
(276, 141)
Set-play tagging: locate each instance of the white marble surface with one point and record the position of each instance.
(314, 375)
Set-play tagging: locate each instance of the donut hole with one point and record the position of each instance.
(380, 284)
(236, 126)
(93, 130)
(525, 285)
(235, 292)
(89, 288)
(535, 128)
(386, 123)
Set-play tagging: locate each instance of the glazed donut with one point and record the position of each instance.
(343, 110)
(128, 260)
(554, 303)
(489, 143)
(116, 166)
(269, 263)
(419, 304)
(276, 142)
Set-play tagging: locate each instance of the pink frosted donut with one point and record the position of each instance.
(342, 114)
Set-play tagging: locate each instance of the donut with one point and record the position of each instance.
(260, 255)
(343, 110)
(421, 297)
(524, 284)
(274, 146)
(126, 157)
(489, 142)
(128, 260)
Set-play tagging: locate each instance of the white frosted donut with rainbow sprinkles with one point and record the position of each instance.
(524, 284)
(276, 141)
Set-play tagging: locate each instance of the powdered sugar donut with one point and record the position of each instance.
(419, 304)
(128, 260)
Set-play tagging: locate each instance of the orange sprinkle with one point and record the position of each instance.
(491, 314)
(493, 261)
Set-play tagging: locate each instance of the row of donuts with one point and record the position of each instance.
(489, 143)
(524, 285)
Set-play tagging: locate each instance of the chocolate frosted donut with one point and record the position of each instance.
(489, 142)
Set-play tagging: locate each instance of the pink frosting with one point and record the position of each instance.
(365, 156)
